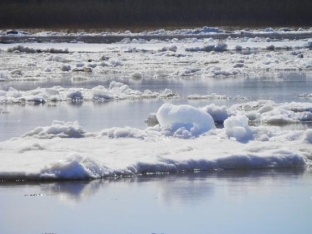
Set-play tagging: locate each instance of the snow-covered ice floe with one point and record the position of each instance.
(185, 140)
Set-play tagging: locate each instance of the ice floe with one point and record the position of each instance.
(67, 151)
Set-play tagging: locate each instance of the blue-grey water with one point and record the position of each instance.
(261, 201)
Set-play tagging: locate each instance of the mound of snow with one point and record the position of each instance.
(183, 120)
(74, 167)
(237, 127)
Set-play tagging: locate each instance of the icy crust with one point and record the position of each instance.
(67, 151)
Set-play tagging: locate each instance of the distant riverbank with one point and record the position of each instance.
(150, 13)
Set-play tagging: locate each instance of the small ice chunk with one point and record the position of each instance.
(237, 127)
(75, 95)
(65, 68)
(218, 113)
(185, 117)
(308, 135)
(137, 76)
(220, 46)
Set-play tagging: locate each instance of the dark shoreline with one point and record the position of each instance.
(9, 39)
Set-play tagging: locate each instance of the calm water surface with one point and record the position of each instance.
(224, 202)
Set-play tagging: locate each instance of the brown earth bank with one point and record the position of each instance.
(153, 13)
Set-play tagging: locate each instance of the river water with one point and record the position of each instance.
(264, 201)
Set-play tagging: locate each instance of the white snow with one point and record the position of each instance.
(183, 120)
(238, 128)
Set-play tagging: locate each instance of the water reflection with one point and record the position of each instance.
(246, 201)
(177, 189)
(72, 192)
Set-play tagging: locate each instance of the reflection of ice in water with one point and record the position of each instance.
(185, 203)
(193, 188)
(73, 192)
(184, 189)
